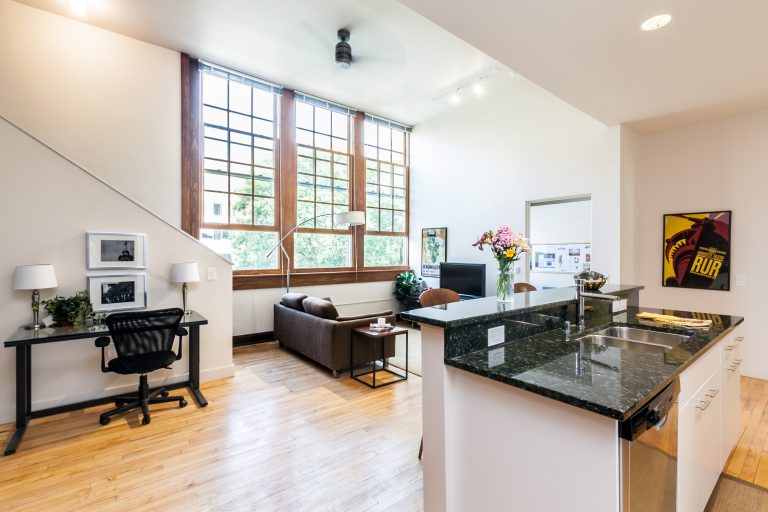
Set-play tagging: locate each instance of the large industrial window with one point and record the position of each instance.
(261, 162)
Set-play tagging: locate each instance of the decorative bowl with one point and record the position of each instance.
(593, 281)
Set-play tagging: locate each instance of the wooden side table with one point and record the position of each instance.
(377, 339)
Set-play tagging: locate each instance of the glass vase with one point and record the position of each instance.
(505, 284)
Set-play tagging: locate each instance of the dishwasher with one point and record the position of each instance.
(649, 455)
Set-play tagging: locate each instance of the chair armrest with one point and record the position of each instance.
(181, 332)
(103, 342)
(362, 317)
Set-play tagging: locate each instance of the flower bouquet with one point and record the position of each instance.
(507, 247)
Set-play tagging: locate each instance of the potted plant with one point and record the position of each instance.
(75, 310)
(407, 289)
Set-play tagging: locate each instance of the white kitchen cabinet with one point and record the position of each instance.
(731, 376)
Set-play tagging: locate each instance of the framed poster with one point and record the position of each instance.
(697, 250)
(116, 250)
(118, 293)
(434, 242)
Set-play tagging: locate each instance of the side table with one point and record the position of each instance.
(377, 339)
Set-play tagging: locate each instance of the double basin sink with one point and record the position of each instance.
(635, 339)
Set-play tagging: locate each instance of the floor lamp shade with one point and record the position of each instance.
(185, 272)
(34, 277)
(353, 218)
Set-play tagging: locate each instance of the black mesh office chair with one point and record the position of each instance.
(144, 343)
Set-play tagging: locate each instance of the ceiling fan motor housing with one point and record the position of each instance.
(343, 49)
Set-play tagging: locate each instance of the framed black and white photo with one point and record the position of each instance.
(116, 250)
(118, 293)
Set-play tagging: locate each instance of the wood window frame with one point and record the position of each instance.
(286, 198)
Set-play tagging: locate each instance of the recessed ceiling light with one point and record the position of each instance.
(78, 7)
(456, 98)
(478, 88)
(656, 22)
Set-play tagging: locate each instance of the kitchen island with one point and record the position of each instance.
(533, 421)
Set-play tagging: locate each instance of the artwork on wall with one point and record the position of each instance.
(697, 250)
(566, 258)
(434, 242)
(116, 250)
(118, 292)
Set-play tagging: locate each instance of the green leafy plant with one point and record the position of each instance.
(74, 310)
(407, 288)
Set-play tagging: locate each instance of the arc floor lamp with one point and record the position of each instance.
(353, 218)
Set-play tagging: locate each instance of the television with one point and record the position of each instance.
(463, 278)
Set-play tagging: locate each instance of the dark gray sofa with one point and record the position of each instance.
(313, 327)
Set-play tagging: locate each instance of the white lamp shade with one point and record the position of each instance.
(34, 277)
(353, 218)
(185, 272)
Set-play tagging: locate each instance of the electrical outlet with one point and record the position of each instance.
(495, 335)
(741, 281)
(211, 273)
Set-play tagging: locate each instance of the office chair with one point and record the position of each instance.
(144, 343)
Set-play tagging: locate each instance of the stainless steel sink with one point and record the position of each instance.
(597, 340)
(646, 336)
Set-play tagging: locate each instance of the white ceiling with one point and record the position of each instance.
(402, 60)
(710, 62)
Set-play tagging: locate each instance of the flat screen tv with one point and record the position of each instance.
(463, 278)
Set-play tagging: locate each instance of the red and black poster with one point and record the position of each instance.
(697, 250)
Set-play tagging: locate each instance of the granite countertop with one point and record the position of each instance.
(467, 312)
(611, 381)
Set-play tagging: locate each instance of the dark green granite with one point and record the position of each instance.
(471, 312)
(610, 381)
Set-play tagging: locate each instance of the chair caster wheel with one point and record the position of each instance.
(164, 394)
(182, 403)
(145, 420)
(104, 421)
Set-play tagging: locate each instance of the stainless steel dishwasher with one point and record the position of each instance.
(649, 455)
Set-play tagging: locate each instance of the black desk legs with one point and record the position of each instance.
(23, 397)
(194, 365)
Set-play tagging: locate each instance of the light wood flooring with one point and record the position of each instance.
(281, 435)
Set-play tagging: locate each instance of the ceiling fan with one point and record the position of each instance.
(343, 49)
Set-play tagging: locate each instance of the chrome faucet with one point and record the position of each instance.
(581, 294)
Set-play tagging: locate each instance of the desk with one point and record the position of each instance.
(23, 340)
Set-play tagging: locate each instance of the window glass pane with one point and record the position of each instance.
(263, 157)
(340, 145)
(305, 211)
(214, 90)
(263, 210)
(263, 187)
(215, 116)
(265, 128)
(324, 214)
(340, 171)
(398, 141)
(323, 168)
(304, 137)
(240, 98)
(239, 122)
(340, 192)
(215, 207)
(372, 195)
(372, 219)
(385, 251)
(263, 105)
(323, 121)
(340, 125)
(321, 250)
(323, 191)
(240, 184)
(215, 149)
(385, 137)
(304, 116)
(246, 249)
(371, 133)
(385, 220)
(242, 209)
(398, 221)
(240, 153)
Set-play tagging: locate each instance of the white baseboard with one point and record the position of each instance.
(8, 412)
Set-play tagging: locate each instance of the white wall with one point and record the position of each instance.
(110, 103)
(47, 205)
(474, 167)
(714, 166)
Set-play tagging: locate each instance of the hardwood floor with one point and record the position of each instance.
(749, 461)
(280, 435)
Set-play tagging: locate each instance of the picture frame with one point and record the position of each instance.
(434, 250)
(110, 251)
(696, 250)
(121, 292)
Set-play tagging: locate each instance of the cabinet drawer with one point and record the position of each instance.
(694, 377)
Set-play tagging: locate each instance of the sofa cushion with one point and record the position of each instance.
(320, 308)
(293, 301)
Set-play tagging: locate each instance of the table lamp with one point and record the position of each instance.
(185, 273)
(35, 278)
